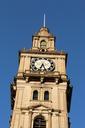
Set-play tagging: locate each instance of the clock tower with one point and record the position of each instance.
(41, 91)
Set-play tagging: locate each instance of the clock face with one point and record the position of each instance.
(42, 64)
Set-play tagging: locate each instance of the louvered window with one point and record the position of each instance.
(35, 95)
(46, 95)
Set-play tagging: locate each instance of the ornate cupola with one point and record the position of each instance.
(43, 40)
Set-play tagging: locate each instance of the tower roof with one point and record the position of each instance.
(44, 31)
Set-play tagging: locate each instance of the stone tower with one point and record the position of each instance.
(41, 91)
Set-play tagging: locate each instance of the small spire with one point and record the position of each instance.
(44, 20)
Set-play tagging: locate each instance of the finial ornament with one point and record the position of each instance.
(44, 20)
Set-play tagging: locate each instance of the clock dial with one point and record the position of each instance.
(38, 64)
(42, 64)
(33, 67)
(46, 63)
(51, 67)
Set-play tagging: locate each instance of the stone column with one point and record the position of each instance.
(26, 120)
(21, 66)
(27, 64)
(30, 119)
(49, 119)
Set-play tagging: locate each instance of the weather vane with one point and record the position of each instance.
(44, 20)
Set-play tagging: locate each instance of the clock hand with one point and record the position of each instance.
(42, 67)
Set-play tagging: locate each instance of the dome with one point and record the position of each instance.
(44, 31)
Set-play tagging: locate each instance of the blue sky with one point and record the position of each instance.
(19, 20)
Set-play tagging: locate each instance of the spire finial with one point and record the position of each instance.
(44, 20)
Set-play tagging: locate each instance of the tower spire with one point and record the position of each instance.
(44, 21)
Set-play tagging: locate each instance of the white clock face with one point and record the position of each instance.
(42, 64)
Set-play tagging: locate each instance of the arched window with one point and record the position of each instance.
(46, 95)
(35, 95)
(43, 44)
(39, 122)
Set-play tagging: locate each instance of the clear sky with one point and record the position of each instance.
(19, 20)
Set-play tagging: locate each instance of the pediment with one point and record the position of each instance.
(44, 32)
(40, 107)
